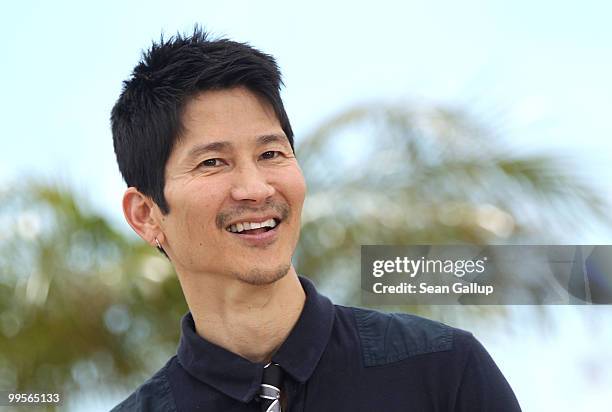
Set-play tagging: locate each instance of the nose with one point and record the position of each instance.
(251, 185)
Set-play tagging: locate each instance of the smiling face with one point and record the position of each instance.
(235, 190)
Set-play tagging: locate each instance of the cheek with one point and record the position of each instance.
(194, 219)
(295, 189)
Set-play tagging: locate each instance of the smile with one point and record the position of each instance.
(256, 233)
(253, 227)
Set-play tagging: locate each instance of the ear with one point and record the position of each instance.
(139, 213)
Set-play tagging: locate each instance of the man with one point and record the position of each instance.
(206, 149)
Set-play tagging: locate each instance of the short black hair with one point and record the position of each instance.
(146, 120)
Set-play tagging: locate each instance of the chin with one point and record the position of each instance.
(263, 276)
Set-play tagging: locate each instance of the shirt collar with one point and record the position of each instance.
(240, 378)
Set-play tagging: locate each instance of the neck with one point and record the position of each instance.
(249, 320)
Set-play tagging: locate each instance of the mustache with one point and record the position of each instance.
(224, 218)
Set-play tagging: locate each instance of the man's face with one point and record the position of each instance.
(232, 169)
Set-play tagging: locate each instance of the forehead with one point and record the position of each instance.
(229, 114)
(223, 119)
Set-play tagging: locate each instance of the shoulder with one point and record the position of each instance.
(443, 358)
(392, 337)
(153, 395)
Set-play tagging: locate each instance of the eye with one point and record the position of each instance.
(211, 162)
(270, 154)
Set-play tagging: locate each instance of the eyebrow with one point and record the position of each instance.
(200, 149)
(272, 138)
(221, 146)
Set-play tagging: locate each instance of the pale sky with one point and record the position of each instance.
(540, 70)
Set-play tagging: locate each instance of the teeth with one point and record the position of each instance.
(268, 223)
(240, 227)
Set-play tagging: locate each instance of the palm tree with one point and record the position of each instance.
(400, 175)
(82, 304)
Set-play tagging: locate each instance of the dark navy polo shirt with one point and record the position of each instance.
(336, 358)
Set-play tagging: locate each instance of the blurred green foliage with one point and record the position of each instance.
(83, 305)
(80, 303)
(427, 175)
